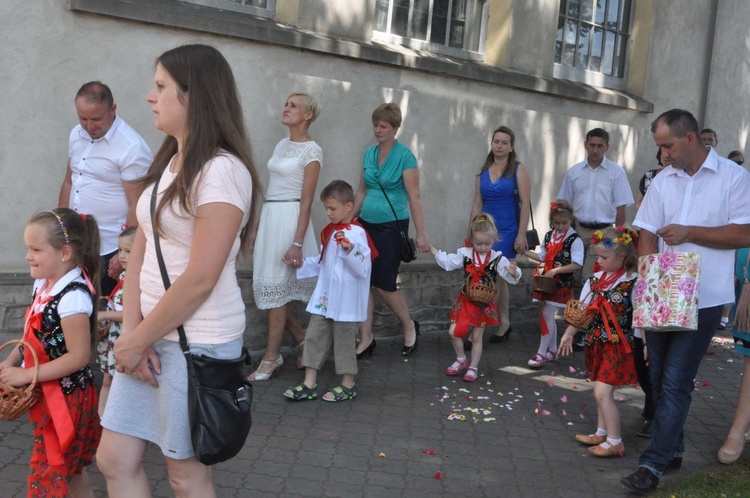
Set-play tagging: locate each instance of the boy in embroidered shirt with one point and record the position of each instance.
(339, 302)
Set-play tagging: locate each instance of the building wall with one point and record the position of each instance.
(49, 51)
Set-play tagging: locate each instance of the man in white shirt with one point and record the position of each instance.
(709, 137)
(599, 191)
(104, 155)
(700, 203)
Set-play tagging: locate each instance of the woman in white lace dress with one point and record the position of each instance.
(285, 235)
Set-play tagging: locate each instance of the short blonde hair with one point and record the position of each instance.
(310, 103)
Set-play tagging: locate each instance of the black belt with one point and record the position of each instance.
(594, 226)
(282, 200)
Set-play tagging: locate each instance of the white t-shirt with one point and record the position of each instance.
(221, 318)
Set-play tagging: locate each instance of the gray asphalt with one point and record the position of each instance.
(414, 431)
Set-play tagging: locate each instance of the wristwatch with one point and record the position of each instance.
(297, 244)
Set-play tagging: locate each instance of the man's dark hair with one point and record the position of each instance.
(679, 121)
(96, 92)
(709, 130)
(600, 133)
(339, 191)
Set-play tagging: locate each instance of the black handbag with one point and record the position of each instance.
(408, 246)
(219, 396)
(532, 236)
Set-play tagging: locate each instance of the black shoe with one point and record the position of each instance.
(368, 350)
(645, 430)
(410, 349)
(723, 325)
(674, 464)
(642, 481)
(500, 338)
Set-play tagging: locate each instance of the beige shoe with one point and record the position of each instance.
(608, 451)
(591, 439)
(729, 457)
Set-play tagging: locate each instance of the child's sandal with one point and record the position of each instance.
(340, 393)
(301, 392)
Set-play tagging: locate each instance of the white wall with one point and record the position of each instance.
(47, 52)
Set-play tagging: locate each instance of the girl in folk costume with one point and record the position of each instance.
(561, 255)
(111, 318)
(609, 356)
(481, 265)
(63, 254)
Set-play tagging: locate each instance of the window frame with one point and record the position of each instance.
(597, 78)
(416, 44)
(268, 11)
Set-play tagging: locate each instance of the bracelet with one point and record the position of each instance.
(297, 244)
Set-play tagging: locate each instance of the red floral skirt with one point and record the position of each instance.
(610, 363)
(481, 316)
(47, 480)
(561, 295)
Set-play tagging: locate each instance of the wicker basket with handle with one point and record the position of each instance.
(478, 292)
(14, 402)
(577, 314)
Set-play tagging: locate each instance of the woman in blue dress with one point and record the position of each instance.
(495, 194)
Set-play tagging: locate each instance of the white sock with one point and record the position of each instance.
(601, 432)
(614, 442)
(461, 359)
(725, 320)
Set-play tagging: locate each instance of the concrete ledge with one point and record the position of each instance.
(429, 290)
(176, 14)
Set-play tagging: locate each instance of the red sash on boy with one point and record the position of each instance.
(468, 309)
(554, 247)
(332, 228)
(604, 308)
(58, 434)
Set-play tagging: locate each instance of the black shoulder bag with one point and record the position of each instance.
(219, 396)
(408, 246)
(532, 236)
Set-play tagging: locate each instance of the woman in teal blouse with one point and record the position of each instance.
(391, 167)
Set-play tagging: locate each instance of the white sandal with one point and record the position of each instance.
(258, 376)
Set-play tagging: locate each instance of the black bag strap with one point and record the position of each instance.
(163, 268)
(518, 200)
(395, 216)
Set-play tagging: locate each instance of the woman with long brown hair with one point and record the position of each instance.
(205, 203)
(503, 189)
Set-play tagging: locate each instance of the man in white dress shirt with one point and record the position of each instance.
(599, 191)
(700, 203)
(104, 154)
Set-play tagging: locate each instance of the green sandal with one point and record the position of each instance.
(301, 392)
(340, 393)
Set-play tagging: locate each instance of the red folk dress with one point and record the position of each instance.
(65, 421)
(609, 356)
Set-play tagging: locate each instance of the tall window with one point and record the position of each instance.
(454, 27)
(264, 8)
(593, 38)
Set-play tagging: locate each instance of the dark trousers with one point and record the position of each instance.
(641, 369)
(673, 361)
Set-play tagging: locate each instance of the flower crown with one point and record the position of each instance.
(626, 237)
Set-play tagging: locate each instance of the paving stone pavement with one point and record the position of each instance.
(516, 439)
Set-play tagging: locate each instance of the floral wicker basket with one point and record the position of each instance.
(577, 314)
(14, 402)
(478, 292)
